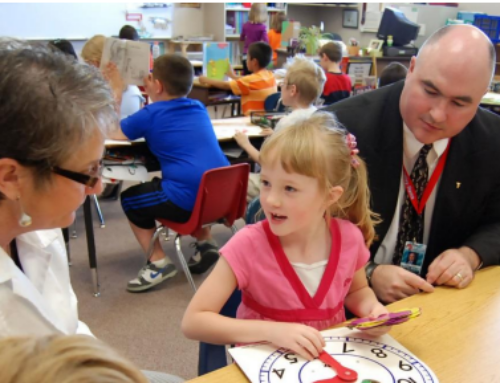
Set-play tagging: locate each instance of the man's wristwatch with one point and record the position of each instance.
(369, 269)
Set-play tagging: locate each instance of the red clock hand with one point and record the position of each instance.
(344, 374)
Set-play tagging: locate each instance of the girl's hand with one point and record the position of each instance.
(374, 314)
(303, 340)
(267, 131)
(242, 139)
(114, 78)
(203, 79)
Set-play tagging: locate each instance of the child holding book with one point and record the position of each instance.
(179, 133)
(255, 87)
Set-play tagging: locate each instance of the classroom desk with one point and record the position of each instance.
(224, 131)
(210, 96)
(457, 336)
(491, 101)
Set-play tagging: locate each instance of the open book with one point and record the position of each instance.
(131, 58)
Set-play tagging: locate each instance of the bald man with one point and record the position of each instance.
(438, 105)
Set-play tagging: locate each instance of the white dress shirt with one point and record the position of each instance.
(411, 150)
(40, 300)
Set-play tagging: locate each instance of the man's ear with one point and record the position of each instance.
(413, 62)
(9, 178)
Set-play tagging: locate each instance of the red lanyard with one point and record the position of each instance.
(410, 188)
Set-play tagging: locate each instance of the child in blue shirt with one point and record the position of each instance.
(178, 131)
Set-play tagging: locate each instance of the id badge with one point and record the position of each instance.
(413, 257)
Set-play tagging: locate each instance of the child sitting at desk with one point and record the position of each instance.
(255, 87)
(338, 85)
(301, 88)
(179, 133)
(298, 268)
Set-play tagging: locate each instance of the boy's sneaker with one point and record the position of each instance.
(151, 275)
(207, 253)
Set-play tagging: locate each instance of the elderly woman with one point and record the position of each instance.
(54, 116)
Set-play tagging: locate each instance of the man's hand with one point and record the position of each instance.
(454, 267)
(392, 283)
(242, 139)
(301, 339)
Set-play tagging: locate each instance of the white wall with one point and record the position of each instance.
(188, 21)
(491, 9)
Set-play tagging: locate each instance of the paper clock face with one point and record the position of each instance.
(373, 361)
(378, 360)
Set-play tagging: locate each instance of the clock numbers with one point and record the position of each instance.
(405, 366)
(379, 353)
(345, 350)
(409, 380)
(279, 373)
(291, 358)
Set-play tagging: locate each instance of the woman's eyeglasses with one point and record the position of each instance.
(85, 179)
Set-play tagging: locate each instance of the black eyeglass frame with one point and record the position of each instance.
(82, 178)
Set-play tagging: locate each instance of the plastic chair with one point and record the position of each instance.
(254, 213)
(213, 356)
(221, 199)
(273, 103)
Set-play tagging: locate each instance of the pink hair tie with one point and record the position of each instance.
(350, 140)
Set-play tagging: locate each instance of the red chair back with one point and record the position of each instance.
(221, 197)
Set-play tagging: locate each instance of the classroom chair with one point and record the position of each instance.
(254, 212)
(221, 198)
(273, 103)
(213, 356)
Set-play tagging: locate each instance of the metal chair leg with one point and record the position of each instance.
(183, 262)
(234, 229)
(99, 212)
(91, 246)
(73, 229)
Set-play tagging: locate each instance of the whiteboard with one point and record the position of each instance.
(75, 21)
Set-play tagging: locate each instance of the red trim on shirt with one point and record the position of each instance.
(298, 315)
(291, 275)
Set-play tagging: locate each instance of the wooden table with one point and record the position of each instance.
(457, 336)
(211, 96)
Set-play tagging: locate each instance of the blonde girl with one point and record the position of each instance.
(254, 30)
(63, 359)
(299, 267)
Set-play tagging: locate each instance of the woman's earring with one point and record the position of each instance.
(25, 220)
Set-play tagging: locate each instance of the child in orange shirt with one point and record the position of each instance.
(274, 34)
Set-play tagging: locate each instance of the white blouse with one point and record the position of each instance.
(40, 300)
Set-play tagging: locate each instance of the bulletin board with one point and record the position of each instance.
(75, 21)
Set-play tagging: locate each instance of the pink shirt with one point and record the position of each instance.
(271, 289)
